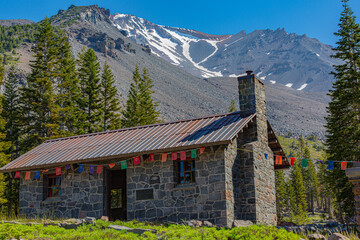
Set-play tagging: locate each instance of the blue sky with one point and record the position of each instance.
(315, 18)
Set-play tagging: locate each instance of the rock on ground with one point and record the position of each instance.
(338, 236)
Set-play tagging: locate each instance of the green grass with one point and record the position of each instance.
(100, 231)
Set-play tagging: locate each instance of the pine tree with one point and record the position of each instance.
(132, 111)
(343, 125)
(232, 107)
(2, 70)
(149, 114)
(140, 107)
(39, 107)
(298, 196)
(110, 103)
(90, 88)
(67, 88)
(281, 199)
(11, 112)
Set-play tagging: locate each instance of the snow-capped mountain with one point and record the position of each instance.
(298, 62)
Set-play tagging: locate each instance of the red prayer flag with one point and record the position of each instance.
(163, 157)
(111, 165)
(343, 165)
(151, 157)
(292, 161)
(27, 175)
(183, 155)
(17, 174)
(58, 171)
(136, 160)
(278, 160)
(202, 150)
(174, 156)
(44, 171)
(99, 169)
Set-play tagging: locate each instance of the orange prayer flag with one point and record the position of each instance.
(202, 150)
(163, 157)
(58, 171)
(278, 160)
(174, 156)
(44, 171)
(183, 155)
(136, 160)
(343, 165)
(151, 157)
(111, 165)
(27, 175)
(99, 169)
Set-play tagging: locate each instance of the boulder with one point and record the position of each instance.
(338, 236)
(242, 223)
(193, 223)
(316, 236)
(207, 224)
(90, 220)
(104, 218)
(137, 231)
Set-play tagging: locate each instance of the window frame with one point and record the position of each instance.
(181, 180)
(53, 185)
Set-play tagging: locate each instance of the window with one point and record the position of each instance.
(116, 198)
(53, 185)
(185, 171)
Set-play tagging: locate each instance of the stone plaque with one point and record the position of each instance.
(154, 179)
(145, 194)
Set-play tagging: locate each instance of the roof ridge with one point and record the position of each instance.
(139, 127)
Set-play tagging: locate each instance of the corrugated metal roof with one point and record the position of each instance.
(172, 136)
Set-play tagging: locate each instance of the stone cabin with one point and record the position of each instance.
(227, 174)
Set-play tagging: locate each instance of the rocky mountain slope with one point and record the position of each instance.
(298, 62)
(180, 94)
(13, 22)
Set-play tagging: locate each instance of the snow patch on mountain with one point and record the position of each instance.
(302, 86)
(289, 85)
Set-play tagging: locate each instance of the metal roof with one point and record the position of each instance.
(172, 136)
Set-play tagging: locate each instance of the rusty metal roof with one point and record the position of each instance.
(128, 142)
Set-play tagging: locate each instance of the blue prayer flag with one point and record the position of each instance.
(331, 165)
(92, 168)
(81, 168)
(37, 175)
(266, 155)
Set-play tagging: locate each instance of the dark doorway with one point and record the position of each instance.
(116, 194)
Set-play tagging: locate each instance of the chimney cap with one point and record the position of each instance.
(249, 72)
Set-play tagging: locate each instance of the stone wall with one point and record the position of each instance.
(81, 196)
(203, 200)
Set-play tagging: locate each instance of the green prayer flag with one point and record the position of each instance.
(193, 153)
(304, 162)
(123, 165)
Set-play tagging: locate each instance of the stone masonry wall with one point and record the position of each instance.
(203, 200)
(81, 196)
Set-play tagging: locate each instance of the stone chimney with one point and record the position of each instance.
(252, 100)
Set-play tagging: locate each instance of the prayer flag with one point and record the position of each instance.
(266, 155)
(27, 175)
(136, 160)
(111, 165)
(92, 168)
(202, 150)
(183, 156)
(123, 165)
(151, 157)
(278, 160)
(81, 168)
(37, 175)
(17, 174)
(193, 153)
(304, 162)
(99, 169)
(343, 165)
(68, 167)
(174, 156)
(331, 165)
(58, 171)
(292, 161)
(163, 157)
